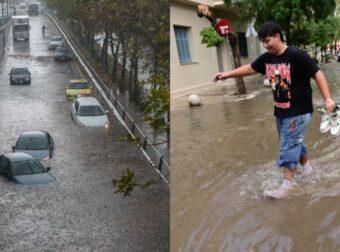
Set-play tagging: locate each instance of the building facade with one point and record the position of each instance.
(192, 64)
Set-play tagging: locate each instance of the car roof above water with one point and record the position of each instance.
(56, 38)
(87, 101)
(20, 68)
(78, 81)
(33, 133)
(18, 156)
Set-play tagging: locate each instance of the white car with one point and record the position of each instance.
(55, 42)
(87, 112)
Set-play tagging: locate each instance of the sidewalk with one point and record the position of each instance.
(225, 90)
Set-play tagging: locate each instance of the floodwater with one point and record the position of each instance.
(223, 159)
(79, 212)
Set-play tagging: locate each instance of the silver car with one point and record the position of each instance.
(87, 112)
(22, 168)
(55, 42)
(38, 144)
(19, 75)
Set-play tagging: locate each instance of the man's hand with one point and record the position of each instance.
(330, 105)
(220, 76)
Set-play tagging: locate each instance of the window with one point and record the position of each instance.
(242, 43)
(182, 41)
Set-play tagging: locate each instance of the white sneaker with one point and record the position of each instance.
(306, 169)
(335, 122)
(282, 191)
(325, 124)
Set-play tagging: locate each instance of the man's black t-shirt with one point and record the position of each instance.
(289, 75)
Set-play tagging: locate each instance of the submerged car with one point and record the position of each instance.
(22, 168)
(62, 54)
(87, 112)
(55, 42)
(77, 87)
(19, 75)
(38, 144)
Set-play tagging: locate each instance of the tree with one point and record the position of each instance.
(294, 16)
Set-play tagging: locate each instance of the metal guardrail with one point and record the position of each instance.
(149, 151)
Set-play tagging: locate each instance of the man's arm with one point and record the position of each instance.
(323, 86)
(238, 72)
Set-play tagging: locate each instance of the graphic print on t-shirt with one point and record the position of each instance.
(279, 77)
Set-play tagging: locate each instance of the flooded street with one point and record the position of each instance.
(223, 158)
(78, 212)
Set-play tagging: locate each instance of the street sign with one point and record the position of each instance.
(223, 27)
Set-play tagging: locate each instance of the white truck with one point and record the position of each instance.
(21, 27)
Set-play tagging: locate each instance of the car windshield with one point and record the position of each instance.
(27, 167)
(21, 28)
(91, 111)
(61, 50)
(78, 85)
(18, 71)
(32, 143)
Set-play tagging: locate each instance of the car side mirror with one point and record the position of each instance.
(13, 148)
(48, 169)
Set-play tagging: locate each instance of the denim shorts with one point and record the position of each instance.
(292, 131)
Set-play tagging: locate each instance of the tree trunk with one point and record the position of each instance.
(115, 60)
(103, 57)
(241, 89)
(123, 66)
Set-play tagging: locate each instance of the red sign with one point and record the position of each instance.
(223, 27)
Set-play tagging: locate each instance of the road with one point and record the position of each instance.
(79, 212)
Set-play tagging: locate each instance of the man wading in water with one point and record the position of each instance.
(289, 71)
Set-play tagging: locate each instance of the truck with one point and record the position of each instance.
(21, 27)
(33, 9)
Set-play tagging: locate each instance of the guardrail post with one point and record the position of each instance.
(133, 127)
(144, 144)
(160, 163)
(123, 115)
(115, 103)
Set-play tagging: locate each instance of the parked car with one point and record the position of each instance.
(22, 168)
(54, 42)
(19, 75)
(62, 54)
(77, 87)
(38, 144)
(87, 112)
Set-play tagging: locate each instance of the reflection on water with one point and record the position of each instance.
(223, 158)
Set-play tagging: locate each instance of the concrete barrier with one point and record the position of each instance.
(5, 24)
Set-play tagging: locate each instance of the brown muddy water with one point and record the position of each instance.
(223, 158)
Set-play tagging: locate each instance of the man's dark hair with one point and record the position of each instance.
(270, 29)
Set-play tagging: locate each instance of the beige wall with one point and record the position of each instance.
(204, 65)
(198, 74)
